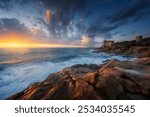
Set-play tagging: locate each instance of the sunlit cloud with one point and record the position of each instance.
(34, 30)
(48, 16)
(85, 40)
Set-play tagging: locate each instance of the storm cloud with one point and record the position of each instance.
(134, 11)
(72, 18)
(5, 5)
(11, 25)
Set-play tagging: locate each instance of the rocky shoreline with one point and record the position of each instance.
(139, 50)
(114, 80)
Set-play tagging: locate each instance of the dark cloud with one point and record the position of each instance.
(5, 5)
(64, 13)
(99, 28)
(70, 18)
(14, 26)
(131, 12)
(11, 25)
(24, 1)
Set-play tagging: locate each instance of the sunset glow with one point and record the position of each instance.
(35, 45)
(22, 41)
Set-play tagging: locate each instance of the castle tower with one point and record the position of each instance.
(107, 44)
(139, 39)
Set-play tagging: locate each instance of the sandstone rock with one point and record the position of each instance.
(144, 61)
(113, 80)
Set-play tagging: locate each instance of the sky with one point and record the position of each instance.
(73, 22)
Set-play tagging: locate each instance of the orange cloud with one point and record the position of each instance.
(34, 30)
(15, 37)
(48, 16)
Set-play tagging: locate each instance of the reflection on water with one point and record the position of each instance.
(13, 55)
(57, 54)
(14, 51)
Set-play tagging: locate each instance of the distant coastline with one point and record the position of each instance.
(140, 47)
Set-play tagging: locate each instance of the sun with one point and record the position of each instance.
(14, 45)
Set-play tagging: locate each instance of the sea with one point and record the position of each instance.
(19, 68)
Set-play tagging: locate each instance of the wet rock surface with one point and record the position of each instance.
(113, 80)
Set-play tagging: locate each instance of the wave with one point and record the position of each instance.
(18, 76)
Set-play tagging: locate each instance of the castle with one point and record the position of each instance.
(139, 41)
(107, 44)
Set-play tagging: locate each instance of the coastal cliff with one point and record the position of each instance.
(134, 47)
(113, 80)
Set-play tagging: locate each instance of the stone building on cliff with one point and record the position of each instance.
(139, 40)
(107, 44)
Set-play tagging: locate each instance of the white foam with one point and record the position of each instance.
(17, 77)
